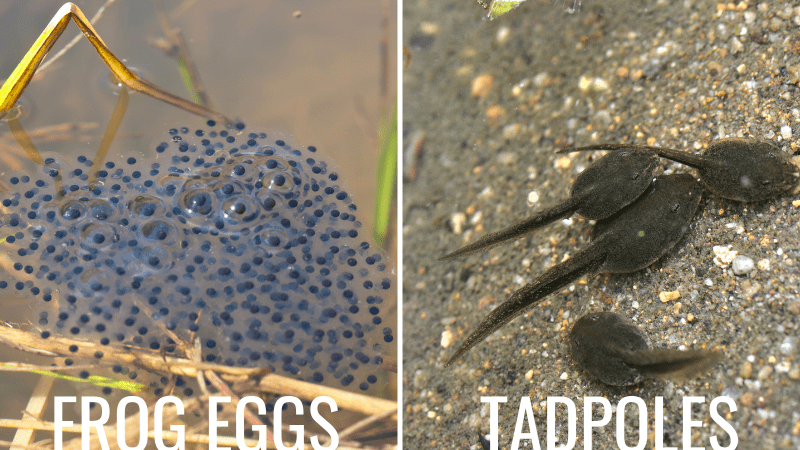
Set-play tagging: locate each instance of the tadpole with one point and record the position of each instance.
(741, 169)
(615, 351)
(605, 187)
(630, 240)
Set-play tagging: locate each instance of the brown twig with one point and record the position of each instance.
(153, 361)
(33, 412)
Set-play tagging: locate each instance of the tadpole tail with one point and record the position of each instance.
(585, 261)
(686, 158)
(672, 363)
(538, 220)
(689, 159)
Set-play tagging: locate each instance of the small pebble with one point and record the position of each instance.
(669, 296)
(482, 86)
(420, 379)
(476, 218)
(724, 255)
(429, 28)
(788, 345)
(487, 192)
(541, 79)
(533, 198)
(457, 222)
(511, 131)
(448, 320)
(447, 338)
(495, 112)
(783, 367)
(508, 158)
(562, 163)
(503, 34)
(586, 83)
(748, 399)
(746, 370)
(736, 46)
(742, 265)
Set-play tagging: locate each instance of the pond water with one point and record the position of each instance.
(314, 76)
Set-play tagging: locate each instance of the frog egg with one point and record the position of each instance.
(233, 236)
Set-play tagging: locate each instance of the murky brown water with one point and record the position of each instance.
(316, 77)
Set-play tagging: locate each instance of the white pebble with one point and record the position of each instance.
(786, 132)
(533, 198)
(457, 222)
(447, 338)
(788, 345)
(476, 217)
(783, 367)
(723, 255)
(503, 33)
(507, 158)
(742, 265)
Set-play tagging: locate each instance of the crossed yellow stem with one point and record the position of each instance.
(22, 75)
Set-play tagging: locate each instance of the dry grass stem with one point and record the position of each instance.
(33, 412)
(154, 361)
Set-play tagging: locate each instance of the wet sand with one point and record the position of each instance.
(494, 100)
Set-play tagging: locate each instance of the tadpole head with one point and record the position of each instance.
(614, 181)
(601, 344)
(617, 352)
(748, 170)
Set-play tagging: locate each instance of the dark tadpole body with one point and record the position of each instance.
(617, 352)
(628, 241)
(605, 187)
(644, 231)
(741, 169)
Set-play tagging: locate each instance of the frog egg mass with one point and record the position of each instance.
(232, 236)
